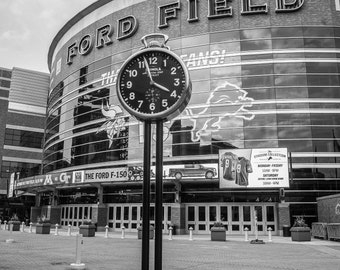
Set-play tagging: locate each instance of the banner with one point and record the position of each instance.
(253, 168)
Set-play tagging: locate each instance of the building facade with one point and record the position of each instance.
(265, 75)
(23, 109)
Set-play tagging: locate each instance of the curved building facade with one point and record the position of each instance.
(265, 77)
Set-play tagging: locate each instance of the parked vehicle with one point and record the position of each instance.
(192, 170)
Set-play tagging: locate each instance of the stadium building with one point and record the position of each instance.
(265, 98)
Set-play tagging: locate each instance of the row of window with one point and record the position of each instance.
(25, 169)
(5, 83)
(24, 138)
(316, 39)
(5, 73)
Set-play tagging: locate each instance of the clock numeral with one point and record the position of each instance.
(173, 94)
(164, 62)
(173, 71)
(164, 102)
(152, 106)
(132, 96)
(133, 73)
(153, 60)
(141, 64)
(140, 103)
(176, 83)
(129, 84)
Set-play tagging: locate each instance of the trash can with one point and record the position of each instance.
(286, 230)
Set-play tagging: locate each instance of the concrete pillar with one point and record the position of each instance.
(35, 213)
(283, 216)
(99, 216)
(178, 218)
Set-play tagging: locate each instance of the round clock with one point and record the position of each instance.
(153, 84)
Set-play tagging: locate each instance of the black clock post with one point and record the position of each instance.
(153, 85)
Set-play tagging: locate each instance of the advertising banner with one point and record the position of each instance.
(253, 168)
(106, 175)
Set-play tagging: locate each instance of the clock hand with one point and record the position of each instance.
(161, 87)
(148, 70)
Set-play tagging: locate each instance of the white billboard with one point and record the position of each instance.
(253, 168)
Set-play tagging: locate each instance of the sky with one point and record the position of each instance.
(27, 28)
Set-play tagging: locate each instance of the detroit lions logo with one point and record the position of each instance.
(227, 97)
(114, 123)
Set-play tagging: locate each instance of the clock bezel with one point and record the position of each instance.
(169, 113)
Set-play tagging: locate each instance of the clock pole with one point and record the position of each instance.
(146, 196)
(159, 196)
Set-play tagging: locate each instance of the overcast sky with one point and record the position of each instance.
(27, 28)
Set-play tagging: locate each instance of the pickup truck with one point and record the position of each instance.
(192, 170)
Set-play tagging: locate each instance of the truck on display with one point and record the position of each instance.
(193, 170)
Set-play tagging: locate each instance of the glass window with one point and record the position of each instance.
(321, 67)
(294, 132)
(5, 73)
(118, 213)
(257, 81)
(201, 213)
(255, 33)
(256, 45)
(212, 213)
(235, 215)
(287, 32)
(287, 43)
(259, 69)
(289, 68)
(293, 119)
(5, 83)
(318, 32)
(191, 213)
(224, 36)
(290, 80)
(260, 133)
(291, 92)
(224, 213)
(270, 213)
(323, 80)
(246, 213)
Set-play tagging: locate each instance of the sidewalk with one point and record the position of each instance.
(36, 252)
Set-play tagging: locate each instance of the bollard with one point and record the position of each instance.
(30, 229)
(78, 264)
(69, 230)
(123, 232)
(246, 234)
(56, 229)
(190, 233)
(5, 225)
(23, 227)
(11, 240)
(170, 233)
(0, 224)
(270, 234)
(106, 231)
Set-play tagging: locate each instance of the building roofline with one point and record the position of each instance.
(69, 24)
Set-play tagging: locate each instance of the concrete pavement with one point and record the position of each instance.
(34, 252)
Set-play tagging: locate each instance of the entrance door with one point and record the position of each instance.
(130, 216)
(75, 214)
(234, 217)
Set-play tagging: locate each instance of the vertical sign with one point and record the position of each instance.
(337, 5)
(11, 186)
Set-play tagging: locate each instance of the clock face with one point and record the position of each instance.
(154, 84)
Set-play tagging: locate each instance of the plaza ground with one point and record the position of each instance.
(32, 251)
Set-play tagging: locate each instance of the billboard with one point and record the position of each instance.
(253, 168)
